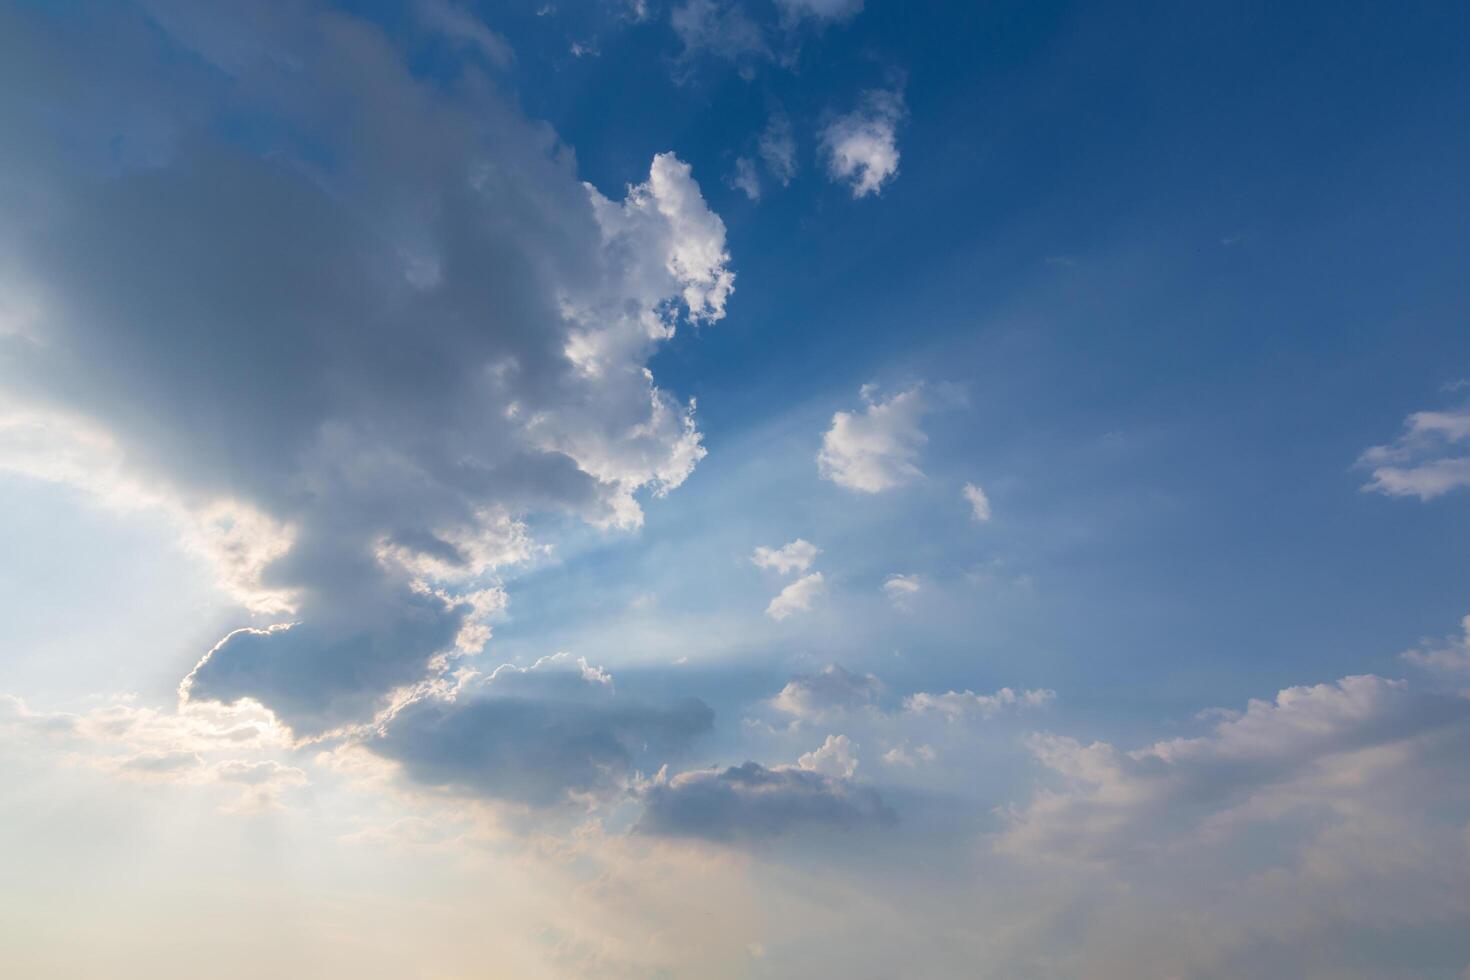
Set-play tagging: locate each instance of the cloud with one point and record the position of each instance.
(267, 772)
(463, 26)
(834, 688)
(745, 179)
(778, 148)
(1450, 657)
(795, 556)
(875, 449)
(832, 10)
(721, 28)
(861, 147)
(797, 597)
(979, 503)
(537, 736)
(900, 755)
(751, 803)
(900, 589)
(351, 381)
(1429, 459)
(955, 705)
(747, 35)
(835, 757)
(1307, 741)
(160, 763)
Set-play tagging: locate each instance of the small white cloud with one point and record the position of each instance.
(745, 179)
(900, 755)
(797, 597)
(834, 757)
(1452, 656)
(875, 449)
(979, 503)
(900, 589)
(862, 146)
(796, 556)
(1427, 460)
(955, 705)
(834, 690)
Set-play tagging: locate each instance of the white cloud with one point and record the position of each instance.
(833, 689)
(745, 179)
(955, 705)
(862, 146)
(795, 556)
(721, 28)
(796, 597)
(1451, 656)
(900, 589)
(835, 757)
(900, 755)
(875, 449)
(979, 503)
(1308, 742)
(1430, 458)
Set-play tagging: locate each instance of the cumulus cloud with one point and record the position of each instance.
(1430, 457)
(955, 705)
(861, 147)
(876, 448)
(797, 597)
(795, 556)
(835, 757)
(351, 382)
(834, 688)
(752, 803)
(979, 503)
(538, 736)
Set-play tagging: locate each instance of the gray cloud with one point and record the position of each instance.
(535, 735)
(752, 803)
(350, 363)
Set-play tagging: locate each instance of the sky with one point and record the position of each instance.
(734, 488)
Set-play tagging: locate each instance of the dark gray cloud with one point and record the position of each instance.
(370, 319)
(753, 803)
(283, 667)
(536, 735)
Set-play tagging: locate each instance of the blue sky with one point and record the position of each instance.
(751, 488)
